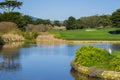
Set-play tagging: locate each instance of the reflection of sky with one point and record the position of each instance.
(46, 62)
(62, 49)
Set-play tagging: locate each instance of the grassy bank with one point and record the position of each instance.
(82, 34)
(97, 62)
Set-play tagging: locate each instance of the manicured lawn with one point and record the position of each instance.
(82, 34)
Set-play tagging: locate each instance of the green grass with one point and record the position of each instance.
(100, 58)
(82, 34)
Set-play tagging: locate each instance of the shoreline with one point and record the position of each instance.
(90, 41)
(59, 41)
(96, 72)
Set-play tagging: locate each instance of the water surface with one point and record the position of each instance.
(39, 61)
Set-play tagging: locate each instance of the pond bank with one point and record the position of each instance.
(96, 72)
(49, 39)
(89, 41)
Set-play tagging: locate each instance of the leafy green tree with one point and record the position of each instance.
(105, 21)
(90, 21)
(10, 5)
(115, 18)
(27, 19)
(79, 24)
(15, 17)
(57, 23)
(47, 22)
(38, 21)
(71, 23)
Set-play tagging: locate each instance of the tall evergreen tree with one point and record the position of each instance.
(10, 5)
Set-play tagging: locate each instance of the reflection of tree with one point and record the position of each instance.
(9, 56)
(80, 76)
(115, 46)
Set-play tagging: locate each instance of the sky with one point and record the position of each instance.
(62, 9)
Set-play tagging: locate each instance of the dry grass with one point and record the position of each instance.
(38, 28)
(7, 26)
(12, 37)
(48, 39)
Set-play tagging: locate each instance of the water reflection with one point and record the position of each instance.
(115, 46)
(42, 61)
(80, 76)
(9, 56)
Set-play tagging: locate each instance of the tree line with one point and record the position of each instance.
(96, 21)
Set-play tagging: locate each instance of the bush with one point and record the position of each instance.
(38, 28)
(58, 36)
(115, 63)
(14, 17)
(1, 41)
(30, 35)
(91, 56)
(7, 26)
(12, 37)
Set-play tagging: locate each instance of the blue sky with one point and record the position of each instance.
(62, 9)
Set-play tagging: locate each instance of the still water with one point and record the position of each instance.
(20, 61)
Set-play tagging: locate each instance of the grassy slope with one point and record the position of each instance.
(100, 34)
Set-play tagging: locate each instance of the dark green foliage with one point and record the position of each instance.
(27, 19)
(105, 21)
(38, 21)
(21, 20)
(88, 22)
(91, 56)
(30, 35)
(115, 63)
(47, 22)
(116, 18)
(41, 21)
(71, 23)
(9, 6)
(57, 23)
(1, 41)
(15, 17)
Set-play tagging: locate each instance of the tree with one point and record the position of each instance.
(71, 23)
(27, 19)
(79, 24)
(115, 18)
(10, 5)
(38, 21)
(15, 17)
(57, 23)
(47, 22)
(104, 20)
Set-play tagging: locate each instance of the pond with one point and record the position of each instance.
(20, 61)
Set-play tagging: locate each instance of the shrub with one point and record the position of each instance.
(38, 28)
(91, 56)
(30, 35)
(12, 37)
(7, 26)
(1, 41)
(58, 36)
(16, 31)
(115, 63)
